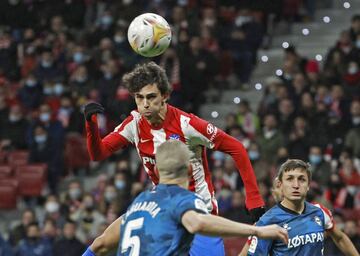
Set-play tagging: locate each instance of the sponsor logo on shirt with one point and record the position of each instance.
(146, 159)
(306, 239)
(286, 226)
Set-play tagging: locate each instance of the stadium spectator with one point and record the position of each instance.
(68, 242)
(19, 231)
(33, 243)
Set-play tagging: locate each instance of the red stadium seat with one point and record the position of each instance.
(233, 246)
(32, 179)
(76, 154)
(3, 156)
(5, 171)
(8, 193)
(18, 157)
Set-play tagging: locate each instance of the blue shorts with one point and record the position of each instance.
(207, 246)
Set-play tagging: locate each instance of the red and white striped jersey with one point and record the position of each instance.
(197, 133)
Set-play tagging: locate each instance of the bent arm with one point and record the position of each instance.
(109, 240)
(212, 225)
(238, 152)
(343, 242)
(100, 149)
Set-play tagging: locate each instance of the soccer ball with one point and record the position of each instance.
(149, 34)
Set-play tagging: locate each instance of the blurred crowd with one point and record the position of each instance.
(55, 56)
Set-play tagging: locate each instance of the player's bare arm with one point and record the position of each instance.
(109, 240)
(207, 224)
(343, 242)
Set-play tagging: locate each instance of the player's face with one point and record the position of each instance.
(295, 185)
(150, 102)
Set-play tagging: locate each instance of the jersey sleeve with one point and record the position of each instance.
(186, 202)
(100, 149)
(329, 223)
(204, 133)
(259, 246)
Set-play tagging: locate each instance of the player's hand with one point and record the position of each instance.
(272, 232)
(256, 213)
(91, 109)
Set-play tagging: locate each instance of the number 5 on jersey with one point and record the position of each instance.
(132, 241)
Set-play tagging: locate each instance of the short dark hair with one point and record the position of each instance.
(145, 74)
(292, 164)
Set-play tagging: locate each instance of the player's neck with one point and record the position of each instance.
(184, 183)
(160, 118)
(296, 206)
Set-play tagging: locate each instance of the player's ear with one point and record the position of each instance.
(165, 98)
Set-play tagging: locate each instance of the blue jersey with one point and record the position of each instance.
(306, 231)
(152, 223)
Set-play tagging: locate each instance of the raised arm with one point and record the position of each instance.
(212, 225)
(98, 148)
(235, 148)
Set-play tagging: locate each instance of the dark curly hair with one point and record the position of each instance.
(145, 74)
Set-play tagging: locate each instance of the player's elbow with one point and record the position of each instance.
(198, 225)
(99, 246)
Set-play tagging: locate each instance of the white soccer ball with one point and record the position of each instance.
(149, 34)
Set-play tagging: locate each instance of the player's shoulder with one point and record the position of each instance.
(320, 207)
(273, 215)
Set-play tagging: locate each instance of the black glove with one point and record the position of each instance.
(256, 213)
(92, 108)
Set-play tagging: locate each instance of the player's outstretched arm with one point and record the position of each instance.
(343, 242)
(207, 224)
(98, 148)
(106, 242)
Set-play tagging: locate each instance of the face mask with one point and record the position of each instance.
(14, 118)
(32, 239)
(119, 39)
(109, 196)
(241, 20)
(356, 120)
(40, 139)
(89, 205)
(106, 20)
(268, 134)
(315, 159)
(52, 207)
(48, 90)
(46, 64)
(30, 83)
(254, 155)
(108, 76)
(44, 117)
(78, 57)
(58, 89)
(81, 79)
(357, 44)
(120, 184)
(74, 193)
(352, 70)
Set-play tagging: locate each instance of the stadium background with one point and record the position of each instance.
(283, 78)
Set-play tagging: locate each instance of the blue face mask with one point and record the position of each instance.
(315, 159)
(40, 138)
(120, 184)
(78, 57)
(106, 20)
(254, 155)
(46, 64)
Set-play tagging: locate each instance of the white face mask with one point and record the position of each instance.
(52, 207)
(353, 70)
(44, 117)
